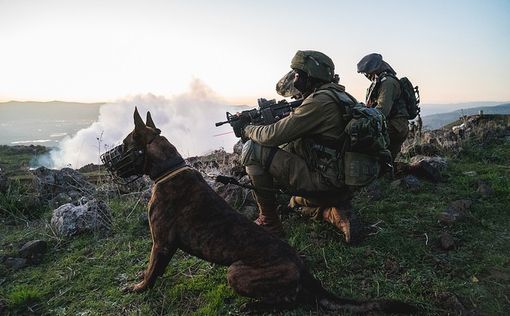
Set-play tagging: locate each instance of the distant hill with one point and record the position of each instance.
(436, 108)
(43, 123)
(21, 110)
(435, 121)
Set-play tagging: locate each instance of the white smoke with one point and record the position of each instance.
(186, 120)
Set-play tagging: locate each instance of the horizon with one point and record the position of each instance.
(188, 62)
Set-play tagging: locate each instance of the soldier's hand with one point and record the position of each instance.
(239, 125)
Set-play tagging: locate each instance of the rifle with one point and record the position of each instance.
(268, 112)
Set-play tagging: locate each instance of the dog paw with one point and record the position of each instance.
(139, 287)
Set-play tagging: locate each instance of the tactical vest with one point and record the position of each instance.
(398, 108)
(362, 147)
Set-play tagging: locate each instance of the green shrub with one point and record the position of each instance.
(18, 203)
(23, 298)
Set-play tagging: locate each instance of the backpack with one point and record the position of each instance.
(365, 151)
(367, 130)
(410, 97)
(365, 141)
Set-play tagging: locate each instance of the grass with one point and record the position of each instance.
(402, 259)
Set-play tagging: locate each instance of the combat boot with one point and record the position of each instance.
(346, 221)
(268, 217)
(266, 202)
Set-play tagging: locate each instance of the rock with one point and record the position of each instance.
(91, 168)
(82, 216)
(50, 183)
(422, 149)
(447, 241)
(452, 302)
(410, 183)
(234, 195)
(33, 249)
(250, 211)
(484, 189)
(61, 199)
(437, 162)
(15, 263)
(455, 211)
(429, 168)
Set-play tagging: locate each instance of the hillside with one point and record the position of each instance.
(442, 246)
(43, 123)
(435, 121)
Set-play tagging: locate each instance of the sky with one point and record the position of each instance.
(102, 51)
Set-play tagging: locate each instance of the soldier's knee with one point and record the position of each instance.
(251, 153)
(251, 158)
(257, 158)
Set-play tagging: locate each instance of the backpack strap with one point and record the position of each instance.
(397, 104)
(347, 101)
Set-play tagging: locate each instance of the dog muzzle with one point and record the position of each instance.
(122, 163)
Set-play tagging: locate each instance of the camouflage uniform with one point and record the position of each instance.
(386, 98)
(384, 94)
(300, 150)
(308, 139)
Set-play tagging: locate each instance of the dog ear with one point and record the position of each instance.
(149, 120)
(138, 120)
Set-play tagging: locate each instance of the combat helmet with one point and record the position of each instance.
(315, 64)
(373, 63)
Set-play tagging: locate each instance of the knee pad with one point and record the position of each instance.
(251, 154)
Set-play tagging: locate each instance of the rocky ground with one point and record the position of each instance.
(85, 201)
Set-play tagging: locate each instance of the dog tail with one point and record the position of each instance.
(329, 301)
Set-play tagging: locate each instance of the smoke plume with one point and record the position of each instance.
(186, 120)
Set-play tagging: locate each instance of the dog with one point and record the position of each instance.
(185, 213)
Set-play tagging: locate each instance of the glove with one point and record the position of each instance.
(239, 125)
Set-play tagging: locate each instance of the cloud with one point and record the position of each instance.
(186, 120)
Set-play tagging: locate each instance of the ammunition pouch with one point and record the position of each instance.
(360, 169)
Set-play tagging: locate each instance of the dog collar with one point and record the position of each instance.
(171, 174)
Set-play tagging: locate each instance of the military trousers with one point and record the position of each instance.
(398, 128)
(293, 173)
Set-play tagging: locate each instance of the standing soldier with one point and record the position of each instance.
(300, 150)
(385, 94)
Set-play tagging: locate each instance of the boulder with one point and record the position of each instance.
(80, 217)
(408, 182)
(457, 210)
(49, 183)
(15, 263)
(436, 162)
(484, 189)
(411, 183)
(33, 249)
